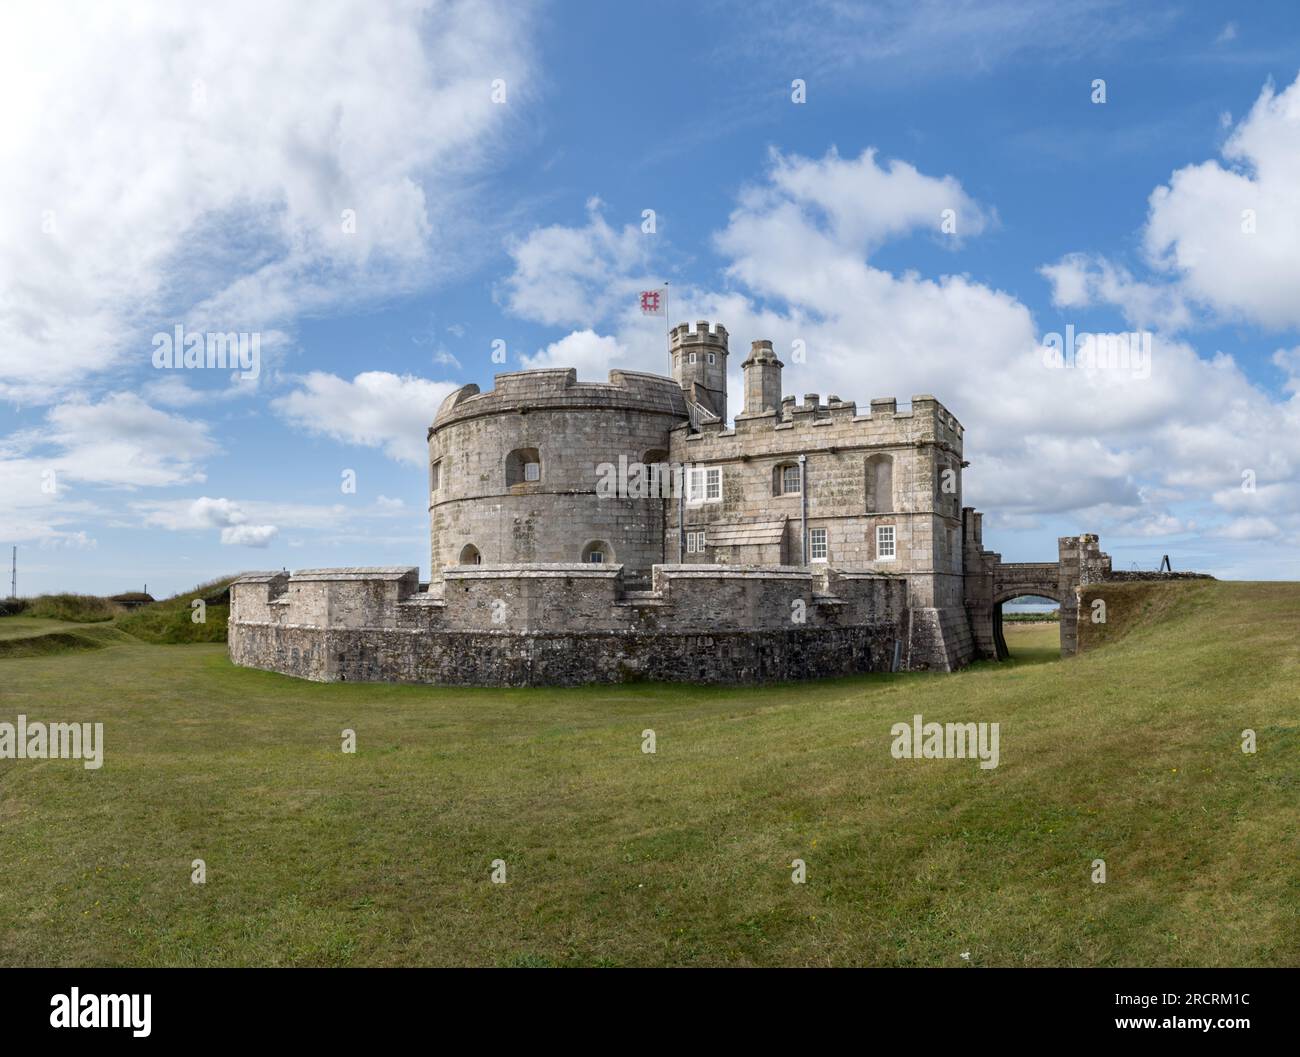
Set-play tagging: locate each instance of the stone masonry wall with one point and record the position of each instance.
(573, 427)
(567, 624)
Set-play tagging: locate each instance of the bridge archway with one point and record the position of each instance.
(991, 583)
(1008, 592)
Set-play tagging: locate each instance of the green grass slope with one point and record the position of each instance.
(1128, 753)
(169, 621)
(39, 637)
(80, 609)
(172, 619)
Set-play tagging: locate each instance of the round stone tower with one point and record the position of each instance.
(523, 472)
(700, 364)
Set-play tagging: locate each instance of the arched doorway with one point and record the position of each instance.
(1030, 639)
(469, 555)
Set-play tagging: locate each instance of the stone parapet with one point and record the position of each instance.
(771, 622)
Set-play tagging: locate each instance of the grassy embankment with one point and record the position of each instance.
(1128, 753)
(50, 624)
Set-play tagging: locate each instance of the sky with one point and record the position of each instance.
(389, 200)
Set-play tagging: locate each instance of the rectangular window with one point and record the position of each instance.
(695, 486)
(532, 471)
(692, 357)
(884, 542)
(817, 544)
(712, 358)
(435, 476)
(704, 486)
(789, 480)
(596, 557)
(695, 543)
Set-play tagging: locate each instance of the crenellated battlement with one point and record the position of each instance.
(812, 424)
(702, 334)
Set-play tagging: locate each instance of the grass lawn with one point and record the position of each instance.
(1130, 753)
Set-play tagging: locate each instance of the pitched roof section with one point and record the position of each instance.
(745, 534)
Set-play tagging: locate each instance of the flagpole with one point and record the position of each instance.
(668, 325)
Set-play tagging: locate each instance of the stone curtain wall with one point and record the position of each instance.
(568, 624)
(453, 658)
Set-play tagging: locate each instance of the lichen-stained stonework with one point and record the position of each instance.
(603, 531)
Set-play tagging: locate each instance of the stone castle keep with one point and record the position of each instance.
(602, 531)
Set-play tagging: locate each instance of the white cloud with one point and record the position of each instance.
(1288, 361)
(201, 513)
(855, 204)
(564, 275)
(205, 513)
(1199, 227)
(375, 409)
(31, 511)
(1249, 528)
(592, 354)
(202, 168)
(258, 522)
(248, 535)
(79, 541)
(1224, 236)
(898, 39)
(1082, 281)
(121, 440)
(118, 442)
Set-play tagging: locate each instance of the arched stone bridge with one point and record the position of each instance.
(991, 582)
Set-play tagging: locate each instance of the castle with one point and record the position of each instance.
(600, 531)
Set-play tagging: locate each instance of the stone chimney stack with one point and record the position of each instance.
(762, 379)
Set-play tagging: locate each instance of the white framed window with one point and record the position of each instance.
(789, 480)
(713, 358)
(694, 542)
(885, 549)
(596, 557)
(523, 465)
(704, 485)
(693, 357)
(817, 544)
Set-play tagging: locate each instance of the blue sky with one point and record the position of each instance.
(175, 168)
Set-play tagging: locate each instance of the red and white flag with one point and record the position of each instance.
(652, 303)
